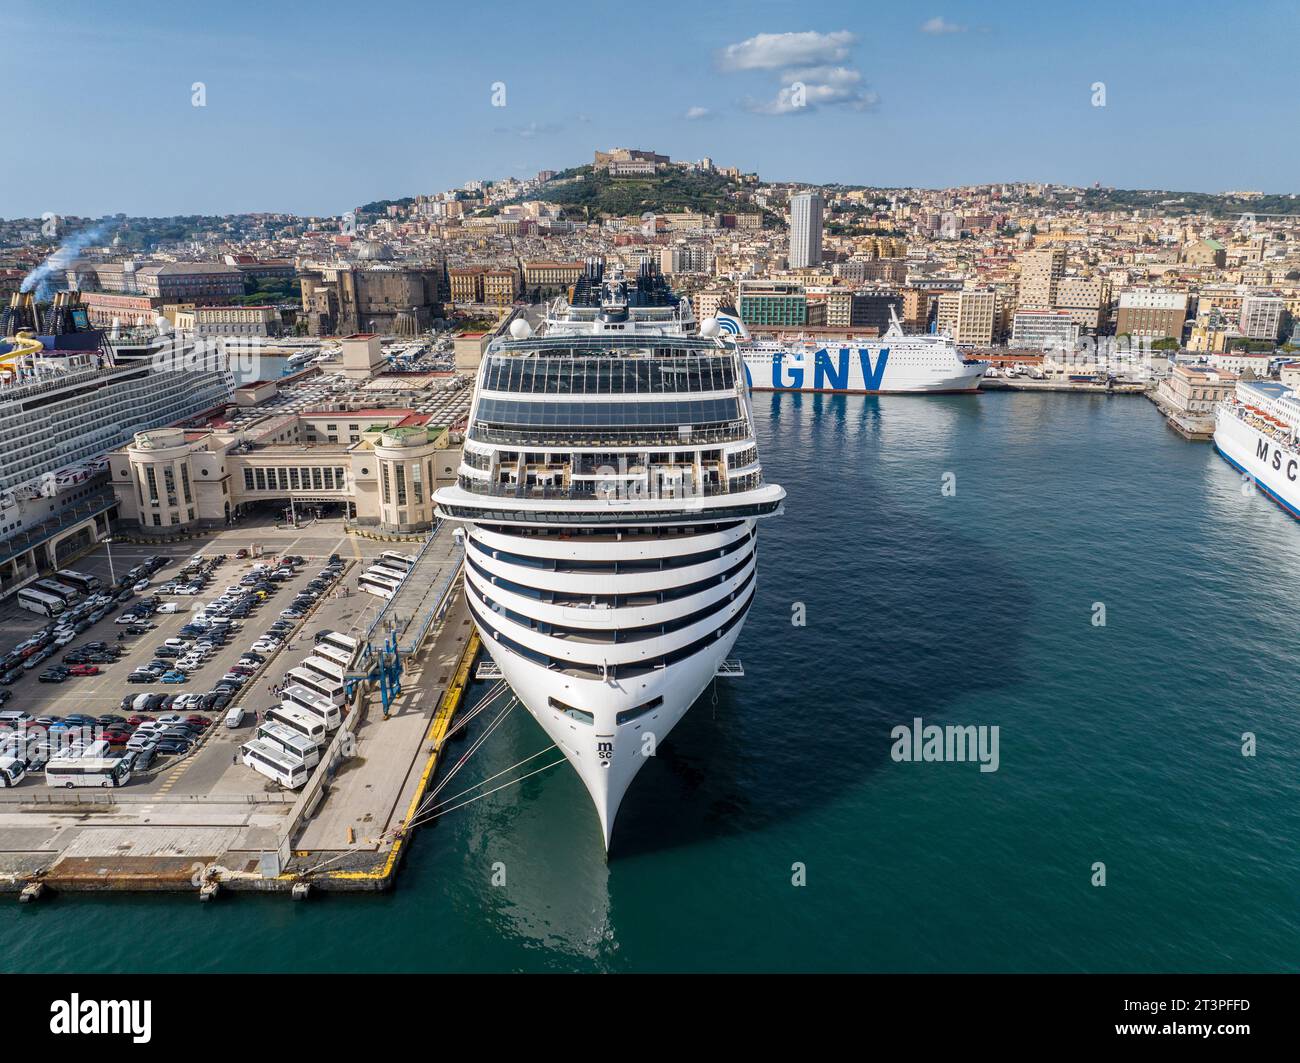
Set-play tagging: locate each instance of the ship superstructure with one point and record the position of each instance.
(610, 492)
(70, 395)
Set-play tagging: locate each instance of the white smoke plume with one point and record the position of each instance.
(40, 278)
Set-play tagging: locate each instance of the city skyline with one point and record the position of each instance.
(845, 97)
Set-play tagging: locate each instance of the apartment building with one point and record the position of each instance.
(968, 316)
(1040, 275)
(772, 303)
(1085, 299)
(1261, 317)
(1152, 314)
(500, 286)
(806, 230)
(544, 278)
(1044, 329)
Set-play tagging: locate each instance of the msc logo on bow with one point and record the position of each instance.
(77, 1016)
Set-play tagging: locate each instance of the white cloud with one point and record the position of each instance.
(814, 95)
(825, 75)
(772, 51)
(694, 113)
(534, 129)
(811, 68)
(939, 25)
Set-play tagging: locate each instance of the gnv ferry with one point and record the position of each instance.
(895, 363)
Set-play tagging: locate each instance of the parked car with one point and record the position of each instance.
(83, 669)
(174, 676)
(54, 675)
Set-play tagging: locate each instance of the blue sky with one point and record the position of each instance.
(316, 108)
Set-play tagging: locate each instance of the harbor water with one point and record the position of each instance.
(1064, 568)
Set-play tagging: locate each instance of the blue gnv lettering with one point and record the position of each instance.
(796, 373)
(871, 378)
(839, 381)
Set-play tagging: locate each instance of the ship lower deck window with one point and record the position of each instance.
(636, 712)
(574, 714)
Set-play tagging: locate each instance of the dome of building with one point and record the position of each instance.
(373, 251)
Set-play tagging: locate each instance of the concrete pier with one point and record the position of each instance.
(211, 825)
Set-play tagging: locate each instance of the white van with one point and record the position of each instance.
(13, 770)
(234, 717)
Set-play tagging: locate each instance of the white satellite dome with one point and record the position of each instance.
(520, 329)
(709, 327)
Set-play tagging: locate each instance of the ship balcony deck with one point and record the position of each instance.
(456, 503)
(1283, 435)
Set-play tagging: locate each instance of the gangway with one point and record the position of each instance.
(404, 620)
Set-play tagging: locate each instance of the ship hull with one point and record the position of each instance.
(1275, 469)
(608, 756)
(607, 680)
(899, 369)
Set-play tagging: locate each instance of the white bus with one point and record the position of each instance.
(325, 668)
(290, 742)
(330, 689)
(79, 580)
(332, 653)
(390, 559)
(339, 641)
(298, 720)
(313, 704)
(67, 595)
(39, 602)
(274, 763)
(379, 585)
(72, 771)
(387, 574)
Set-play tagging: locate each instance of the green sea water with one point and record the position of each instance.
(1119, 744)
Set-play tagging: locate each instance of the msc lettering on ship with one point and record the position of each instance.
(79, 1016)
(1261, 452)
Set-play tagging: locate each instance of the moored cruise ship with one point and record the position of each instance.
(610, 490)
(70, 393)
(1258, 433)
(896, 363)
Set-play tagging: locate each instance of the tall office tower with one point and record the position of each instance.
(805, 230)
(1040, 273)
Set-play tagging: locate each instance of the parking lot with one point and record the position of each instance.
(212, 767)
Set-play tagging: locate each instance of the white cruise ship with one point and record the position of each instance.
(1258, 433)
(610, 490)
(895, 363)
(70, 393)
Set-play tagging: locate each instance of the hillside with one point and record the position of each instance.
(592, 195)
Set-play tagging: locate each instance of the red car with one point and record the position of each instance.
(84, 669)
(198, 721)
(116, 736)
(136, 721)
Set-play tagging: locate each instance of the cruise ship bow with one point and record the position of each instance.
(610, 489)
